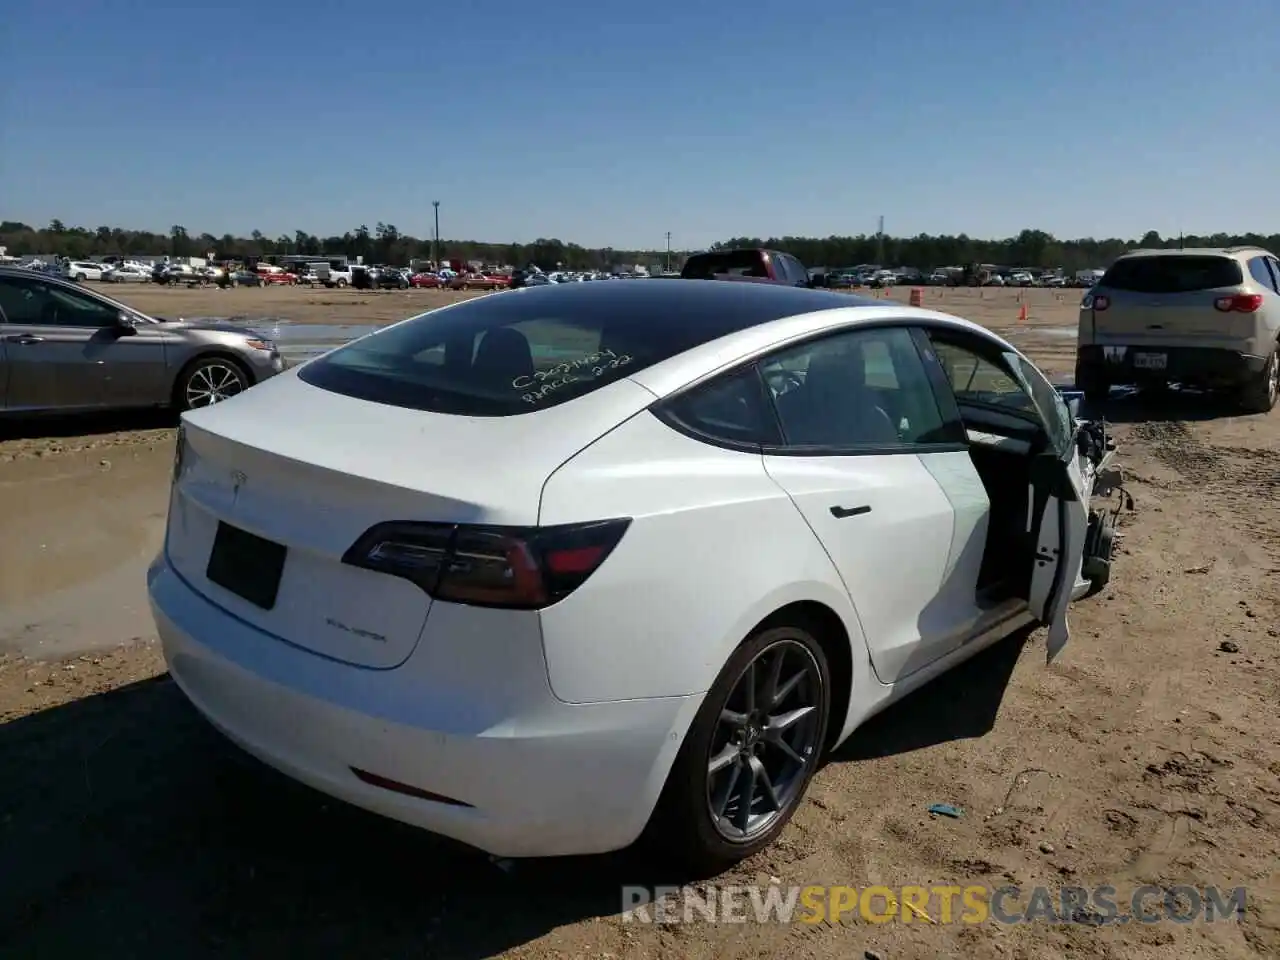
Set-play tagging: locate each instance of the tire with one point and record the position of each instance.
(216, 376)
(341, 284)
(684, 823)
(1095, 387)
(1260, 394)
(79, 278)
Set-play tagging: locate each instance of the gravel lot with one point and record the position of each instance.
(1150, 753)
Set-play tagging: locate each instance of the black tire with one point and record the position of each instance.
(683, 826)
(1090, 381)
(80, 278)
(341, 284)
(208, 376)
(1260, 394)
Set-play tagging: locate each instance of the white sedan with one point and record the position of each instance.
(540, 570)
(127, 273)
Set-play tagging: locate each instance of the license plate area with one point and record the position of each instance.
(1150, 361)
(247, 565)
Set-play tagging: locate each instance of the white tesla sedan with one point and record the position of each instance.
(540, 570)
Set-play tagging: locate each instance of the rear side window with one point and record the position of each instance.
(733, 408)
(519, 353)
(738, 263)
(1261, 271)
(1175, 273)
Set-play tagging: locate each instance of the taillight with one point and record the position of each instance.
(1240, 303)
(1096, 302)
(517, 567)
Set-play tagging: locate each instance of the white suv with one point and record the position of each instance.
(1205, 317)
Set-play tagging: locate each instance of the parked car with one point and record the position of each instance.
(434, 572)
(384, 278)
(760, 266)
(68, 350)
(276, 276)
(1203, 317)
(428, 281)
(82, 270)
(126, 273)
(247, 278)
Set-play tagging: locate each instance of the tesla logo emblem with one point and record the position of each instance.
(1114, 354)
(238, 480)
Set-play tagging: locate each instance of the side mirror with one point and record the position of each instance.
(125, 324)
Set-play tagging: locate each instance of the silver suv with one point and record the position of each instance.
(1204, 317)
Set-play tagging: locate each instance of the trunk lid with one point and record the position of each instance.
(1169, 300)
(310, 471)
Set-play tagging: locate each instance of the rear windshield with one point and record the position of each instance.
(740, 263)
(1178, 273)
(520, 352)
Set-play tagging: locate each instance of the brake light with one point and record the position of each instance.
(1240, 303)
(515, 567)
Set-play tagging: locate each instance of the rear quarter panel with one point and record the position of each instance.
(714, 547)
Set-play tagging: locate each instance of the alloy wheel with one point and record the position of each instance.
(212, 383)
(765, 741)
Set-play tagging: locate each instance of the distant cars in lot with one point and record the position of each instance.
(64, 349)
(1202, 317)
(551, 571)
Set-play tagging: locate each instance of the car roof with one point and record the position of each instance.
(1195, 252)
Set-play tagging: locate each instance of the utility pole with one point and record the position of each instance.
(668, 251)
(880, 243)
(435, 240)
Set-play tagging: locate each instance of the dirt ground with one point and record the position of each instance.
(1150, 753)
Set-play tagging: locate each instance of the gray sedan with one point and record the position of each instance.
(64, 349)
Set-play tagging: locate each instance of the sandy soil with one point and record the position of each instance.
(1149, 754)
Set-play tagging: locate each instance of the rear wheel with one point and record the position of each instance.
(207, 381)
(1090, 381)
(750, 753)
(341, 283)
(1259, 395)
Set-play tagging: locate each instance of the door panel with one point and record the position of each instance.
(857, 411)
(4, 370)
(50, 368)
(134, 370)
(891, 544)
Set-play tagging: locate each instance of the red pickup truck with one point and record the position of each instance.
(752, 265)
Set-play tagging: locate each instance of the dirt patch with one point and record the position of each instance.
(1150, 753)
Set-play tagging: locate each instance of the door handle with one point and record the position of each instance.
(23, 338)
(840, 512)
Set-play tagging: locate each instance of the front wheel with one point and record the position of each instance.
(750, 753)
(208, 381)
(1261, 393)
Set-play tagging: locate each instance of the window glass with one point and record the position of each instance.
(1261, 271)
(1054, 412)
(863, 388)
(503, 356)
(31, 302)
(732, 408)
(975, 379)
(1172, 273)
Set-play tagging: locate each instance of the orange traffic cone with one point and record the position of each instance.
(1022, 313)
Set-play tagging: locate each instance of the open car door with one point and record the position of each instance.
(1058, 516)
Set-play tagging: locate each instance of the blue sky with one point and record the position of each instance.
(610, 123)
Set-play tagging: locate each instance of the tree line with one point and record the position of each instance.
(386, 244)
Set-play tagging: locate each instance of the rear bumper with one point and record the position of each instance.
(543, 779)
(1210, 366)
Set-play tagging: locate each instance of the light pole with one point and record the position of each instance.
(435, 240)
(668, 270)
